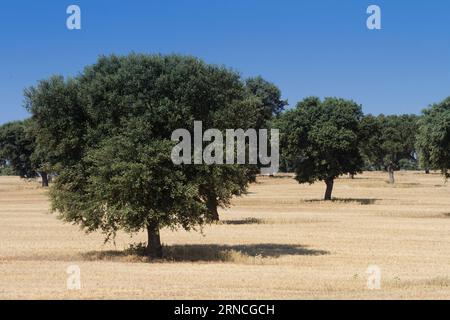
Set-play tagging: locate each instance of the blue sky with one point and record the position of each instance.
(306, 47)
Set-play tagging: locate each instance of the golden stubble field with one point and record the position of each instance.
(278, 242)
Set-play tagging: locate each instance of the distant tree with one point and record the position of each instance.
(321, 140)
(269, 94)
(3, 161)
(423, 138)
(40, 158)
(219, 183)
(6, 170)
(433, 139)
(110, 136)
(17, 147)
(60, 122)
(389, 141)
(398, 136)
(408, 164)
(424, 161)
(20, 151)
(371, 142)
(270, 103)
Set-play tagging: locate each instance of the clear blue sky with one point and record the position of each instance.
(306, 47)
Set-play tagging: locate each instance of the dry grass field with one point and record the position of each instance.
(278, 242)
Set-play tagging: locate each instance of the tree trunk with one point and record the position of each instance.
(329, 191)
(44, 177)
(391, 174)
(212, 206)
(154, 248)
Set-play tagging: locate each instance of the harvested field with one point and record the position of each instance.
(278, 242)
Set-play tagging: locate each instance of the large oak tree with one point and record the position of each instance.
(110, 130)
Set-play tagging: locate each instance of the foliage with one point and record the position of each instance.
(270, 96)
(433, 139)
(16, 148)
(109, 141)
(389, 142)
(6, 170)
(408, 164)
(320, 139)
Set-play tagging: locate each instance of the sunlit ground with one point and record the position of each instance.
(278, 242)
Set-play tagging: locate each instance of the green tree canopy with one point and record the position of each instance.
(18, 149)
(320, 140)
(388, 142)
(433, 139)
(272, 103)
(109, 131)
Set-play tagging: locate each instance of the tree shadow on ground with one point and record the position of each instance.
(283, 176)
(208, 253)
(227, 253)
(246, 221)
(362, 201)
(403, 184)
